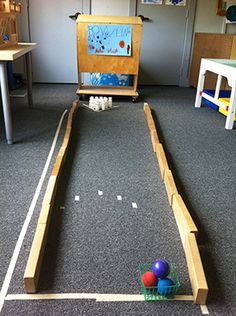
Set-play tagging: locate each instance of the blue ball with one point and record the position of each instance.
(161, 269)
(165, 287)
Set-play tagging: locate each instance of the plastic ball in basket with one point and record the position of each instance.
(167, 280)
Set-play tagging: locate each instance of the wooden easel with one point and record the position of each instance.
(108, 64)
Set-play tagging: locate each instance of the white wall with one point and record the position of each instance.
(110, 7)
(207, 21)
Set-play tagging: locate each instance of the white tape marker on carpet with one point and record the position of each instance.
(204, 310)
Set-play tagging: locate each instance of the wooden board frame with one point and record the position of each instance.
(108, 64)
(33, 267)
(185, 223)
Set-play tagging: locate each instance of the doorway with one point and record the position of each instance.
(162, 43)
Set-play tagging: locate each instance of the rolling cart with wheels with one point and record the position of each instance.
(110, 64)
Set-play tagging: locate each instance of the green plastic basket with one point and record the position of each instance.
(150, 293)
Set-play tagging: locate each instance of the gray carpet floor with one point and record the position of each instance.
(97, 244)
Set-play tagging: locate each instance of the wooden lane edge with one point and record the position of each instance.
(34, 262)
(170, 185)
(32, 271)
(183, 218)
(151, 124)
(50, 190)
(186, 226)
(155, 139)
(162, 161)
(196, 271)
(182, 215)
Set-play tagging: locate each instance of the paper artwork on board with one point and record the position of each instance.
(109, 39)
(176, 2)
(152, 1)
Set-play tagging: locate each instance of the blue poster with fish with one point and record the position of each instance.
(109, 39)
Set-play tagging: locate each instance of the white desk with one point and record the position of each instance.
(224, 68)
(11, 53)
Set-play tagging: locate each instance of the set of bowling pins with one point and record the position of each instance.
(100, 103)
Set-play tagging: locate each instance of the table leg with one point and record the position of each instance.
(6, 103)
(200, 86)
(232, 108)
(29, 78)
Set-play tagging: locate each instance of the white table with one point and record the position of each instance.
(11, 53)
(224, 68)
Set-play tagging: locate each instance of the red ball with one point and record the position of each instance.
(149, 279)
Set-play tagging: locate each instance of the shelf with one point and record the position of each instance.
(99, 90)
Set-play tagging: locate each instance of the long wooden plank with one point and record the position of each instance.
(146, 107)
(58, 166)
(155, 139)
(170, 185)
(196, 271)
(152, 127)
(45, 213)
(183, 218)
(32, 271)
(162, 161)
(50, 191)
(33, 267)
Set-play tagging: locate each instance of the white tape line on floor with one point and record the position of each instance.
(96, 296)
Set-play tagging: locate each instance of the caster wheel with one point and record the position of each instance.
(134, 99)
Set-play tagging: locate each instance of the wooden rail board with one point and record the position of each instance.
(196, 271)
(31, 276)
(151, 124)
(183, 218)
(33, 267)
(170, 185)
(155, 139)
(185, 223)
(162, 161)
